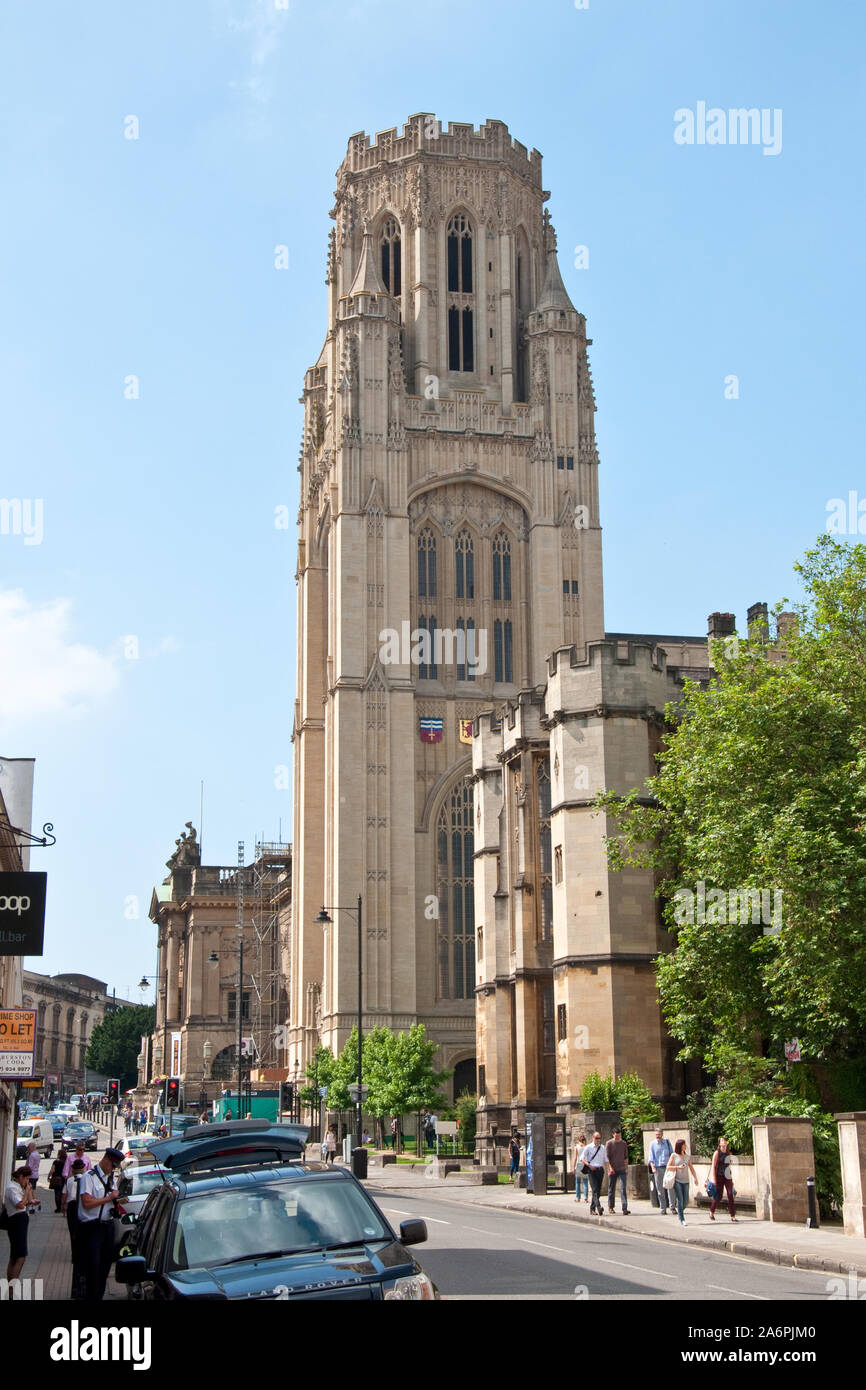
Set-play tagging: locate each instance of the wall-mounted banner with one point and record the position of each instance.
(17, 1043)
(22, 913)
(175, 1054)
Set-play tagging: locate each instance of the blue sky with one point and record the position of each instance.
(154, 258)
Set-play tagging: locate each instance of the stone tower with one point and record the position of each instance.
(449, 542)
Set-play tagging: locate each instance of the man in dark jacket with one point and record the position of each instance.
(616, 1152)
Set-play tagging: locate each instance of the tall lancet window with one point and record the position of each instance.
(501, 568)
(455, 850)
(426, 564)
(461, 329)
(390, 253)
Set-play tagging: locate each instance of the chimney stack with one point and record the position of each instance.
(756, 619)
(721, 625)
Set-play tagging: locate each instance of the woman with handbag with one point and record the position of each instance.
(721, 1178)
(55, 1179)
(676, 1179)
(581, 1169)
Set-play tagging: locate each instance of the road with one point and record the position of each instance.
(476, 1252)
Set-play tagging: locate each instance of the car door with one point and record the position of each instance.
(150, 1233)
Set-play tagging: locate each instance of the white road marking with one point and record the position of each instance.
(643, 1269)
(561, 1249)
(741, 1293)
(395, 1211)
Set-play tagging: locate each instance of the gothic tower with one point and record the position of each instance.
(449, 541)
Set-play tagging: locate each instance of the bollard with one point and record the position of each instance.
(812, 1220)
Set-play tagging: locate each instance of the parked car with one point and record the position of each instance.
(38, 1132)
(178, 1121)
(81, 1129)
(138, 1144)
(241, 1215)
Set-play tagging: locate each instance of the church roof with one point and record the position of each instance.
(553, 295)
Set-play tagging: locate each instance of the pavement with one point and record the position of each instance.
(794, 1246)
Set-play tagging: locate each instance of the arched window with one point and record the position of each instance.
(461, 331)
(390, 253)
(460, 254)
(455, 848)
(426, 564)
(501, 567)
(464, 551)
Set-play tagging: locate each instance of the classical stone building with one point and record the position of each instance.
(68, 1008)
(449, 542)
(196, 910)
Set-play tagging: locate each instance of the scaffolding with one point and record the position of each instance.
(269, 875)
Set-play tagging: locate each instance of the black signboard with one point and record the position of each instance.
(22, 914)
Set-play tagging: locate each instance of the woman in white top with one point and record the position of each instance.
(680, 1163)
(18, 1199)
(330, 1144)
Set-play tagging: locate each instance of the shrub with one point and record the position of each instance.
(597, 1093)
(465, 1107)
(636, 1106)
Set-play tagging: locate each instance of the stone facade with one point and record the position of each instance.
(448, 484)
(196, 913)
(68, 1008)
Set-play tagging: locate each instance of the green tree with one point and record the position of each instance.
(762, 785)
(466, 1107)
(116, 1042)
(397, 1068)
(320, 1071)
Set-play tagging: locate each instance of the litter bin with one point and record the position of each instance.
(359, 1163)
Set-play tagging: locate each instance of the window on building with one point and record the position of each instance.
(455, 847)
(543, 850)
(501, 567)
(428, 670)
(557, 864)
(233, 1006)
(464, 551)
(548, 1042)
(569, 463)
(426, 564)
(461, 340)
(466, 649)
(390, 253)
(482, 1080)
(560, 461)
(561, 1023)
(459, 254)
(503, 660)
(565, 586)
(574, 586)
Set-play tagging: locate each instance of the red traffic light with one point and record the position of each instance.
(172, 1091)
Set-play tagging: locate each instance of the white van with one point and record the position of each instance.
(38, 1132)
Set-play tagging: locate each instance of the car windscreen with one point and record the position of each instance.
(281, 1217)
(84, 1131)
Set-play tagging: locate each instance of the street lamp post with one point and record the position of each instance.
(324, 920)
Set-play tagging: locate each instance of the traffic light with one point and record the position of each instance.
(287, 1097)
(172, 1091)
(114, 1092)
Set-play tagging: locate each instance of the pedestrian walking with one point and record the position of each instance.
(514, 1155)
(616, 1152)
(78, 1155)
(680, 1165)
(18, 1202)
(33, 1160)
(96, 1225)
(722, 1180)
(594, 1158)
(55, 1178)
(581, 1179)
(71, 1195)
(228, 1113)
(660, 1151)
(330, 1145)
(395, 1130)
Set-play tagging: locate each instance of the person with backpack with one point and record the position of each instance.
(594, 1158)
